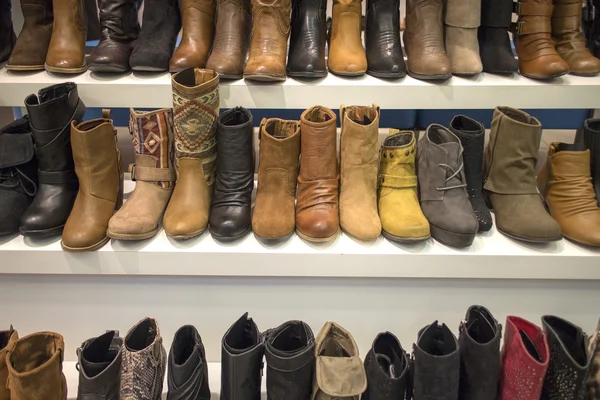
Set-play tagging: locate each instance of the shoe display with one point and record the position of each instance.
(462, 19)
(494, 42)
(382, 39)
(188, 371)
(7, 340)
(7, 33)
(306, 57)
(387, 368)
(593, 379)
(66, 52)
(99, 362)
(346, 52)
(591, 139)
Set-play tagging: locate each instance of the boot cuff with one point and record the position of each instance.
(318, 116)
(360, 115)
(48, 347)
(518, 116)
(399, 138)
(279, 130)
(234, 119)
(195, 81)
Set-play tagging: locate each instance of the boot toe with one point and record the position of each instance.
(318, 224)
(584, 64)
(229, 223)
(83, 239)
(225, 66)
(466, 62)
(184, 226)
(404, 228)
(361, 225)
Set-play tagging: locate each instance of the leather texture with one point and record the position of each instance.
(7, 340)
(387, 369)
(382, 39)
(462, 18)
(306, 56)
(66, 52)
(494, 42)
(7, 32)
(593, 379)
(99, 364)
(188, 370)
(591, 139)
(198, 17)
(346, 52)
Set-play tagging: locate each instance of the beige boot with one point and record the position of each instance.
(7, 340)
(463, 17)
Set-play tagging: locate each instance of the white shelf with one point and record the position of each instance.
(482, 92)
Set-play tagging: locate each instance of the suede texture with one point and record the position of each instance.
(31, 48)
(8, 339)
(66, 52)
(494, 42)
(346, 53)
(462, 19)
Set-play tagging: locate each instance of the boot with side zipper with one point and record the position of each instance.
(188, 371)
(99, 365)
(387, 368)
(66, 52)
(346, 52)
(7, 340)
(306, 57)
(382, 39)
(494, 42)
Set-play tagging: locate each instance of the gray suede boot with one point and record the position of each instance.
(462, 19)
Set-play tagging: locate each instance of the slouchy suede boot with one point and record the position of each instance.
(7, 33)
(346, 52)
(593, 379)
(382, 39)
(494, 43)
(188, 371)
(195, 111)
(462, 19)
(66, 52)
(7, 341)
(591, 139)
(387, 368)
(99, 361)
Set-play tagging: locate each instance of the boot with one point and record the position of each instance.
(593, 379)
(472, 137)
(241, 361)
(346, 53)
(387, 368)
(401, 217)
(7, 33)
(161, 24)
(29, 53)
(569, 360)
(444, 198)
(290, 355)
(120, 30)
(591, 139)
(462, 19)
(195, 110)
(144, 362)
(231, 210)
(66, 53)
(593, 29)
(7, 340)
(35, 367)
(99, 361)
(93, 22)
(232, 39)
(569, 40)
(436, 364)
(198, 18)
(317, 215)
(153, 173)
(18, 175)
(273, 219)
(358, 166)
(50, 117)
(424, 40)
(479, 343)
(188, 370)
(509, 176)
(339, 372)
(306, 58)
(382, 39)
(494, 43)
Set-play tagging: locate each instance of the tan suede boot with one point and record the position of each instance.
(154, 175)
(7, 340)
(346, 52)
(358, 171)
(195, 107)
(463, 17)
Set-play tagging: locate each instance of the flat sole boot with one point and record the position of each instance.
(581, 243)
(187, 236)
(306, 74)
(452, 239)
(133, 236)
(25, 67)
(347, 74)
(387, 75)
(107, 69)
(229, 239)
(542, 78)
(77, 70)
(273, 241)
(405, 240)
(529, 239)
(42, 233)
(317, 240)
(93, 247)
(265, 77)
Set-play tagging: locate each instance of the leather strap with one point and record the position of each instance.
(567, 10)
(533, 9)
(397, 182)
(57, 144)
(57, 177)
(150, 174)
(533, 25)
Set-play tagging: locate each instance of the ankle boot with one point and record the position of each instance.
(231, 209)
(382, 39)
(161, 24)
(592, 18)
(472, 137)
(494, 43)
(593, 379)
(290, 355)
(524, 358)
(7, 341)
(198, 18)
(35, 367)
(442, 183)
(273, 219)
(358, 166)
(195, 110)
(120, 30)
(66, 52)
(346, 52)
(99, 361)
(479, 342)
(7, 33)
(462, 19)
(188, 370)
(317, 211)
(569, 360)
(436, 364)
(591, 139)
(241, 361)
(424, 40)
(387, 368)
(306, 58)
(50, 117)
(232, 39)
(339, 372)
(509, 178)
(144, 362)
(31, 48)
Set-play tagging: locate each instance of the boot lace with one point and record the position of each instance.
(454, 175)
(14, 178)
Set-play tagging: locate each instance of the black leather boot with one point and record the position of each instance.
(290, 355)
(99, 362)
(160, 25)
(382, 39)
(120, 29)
(18, 174)
(7, 33)
(472, 137)
(306, 57)
(242, 361)
(231, 213)
(494, 44)
(591, 138)
(591, 25)
(479, 342)
(387, 369)
(50, 116)
(188, 370)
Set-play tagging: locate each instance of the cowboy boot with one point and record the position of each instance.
(346, 52)
(462, 19)
(494, 42)
(99, 361)
(188, 370)
(29, 53)
(306, 57)
(7, 341)
(7, 33)
(387, 368)
(382, 39)
(66, 53)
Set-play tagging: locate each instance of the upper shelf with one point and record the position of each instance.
(482, 92)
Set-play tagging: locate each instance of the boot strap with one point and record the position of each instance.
(57, 177)
(534, 25)
(56, 145)
(150, 174)
(567, 10)
(397, 182)
(543, 10)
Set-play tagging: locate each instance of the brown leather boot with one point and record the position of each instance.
(232, 38)
(66, 54)
(569, 40)
(270, 33)
(538, 58)
(317, 214)
(7, 340)
(98, 168)
(198, 18)
(346, 53)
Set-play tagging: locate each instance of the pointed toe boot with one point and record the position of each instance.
(346, 52)
(494, 42)
(387, 368)
(99, 362)
(188, 370)
(306, 57)
(591, 139)
(462, 19)
(66, 52)
(593, 379)
(382, 40)
(7, 32)
(7, 340)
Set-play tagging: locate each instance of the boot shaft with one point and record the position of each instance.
(7, 340)
(99, 362)
(398, 155)
(387, 368)
(383, 17)
(188, 370)
(119, 19)
(463, 13)
(346, 18)
(359, 137)
(472, 138)
(591, 139)
(279, 149)
(37, 14)
(235, 143)
(318, 154)
(271, 21)
(496, 13)
(69, 16)
(18, 168)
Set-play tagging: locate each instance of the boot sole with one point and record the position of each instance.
(142, 68)
(66, 70)
(386, 75)
(107, 69)
(529, 239)
(42, 233)
(229, 239)
(273, 240)
(581, 243)
(424, 77)
(317, 240)
(230, 77)
(93, 247)
(543, 78)
(24, 67)
(583, 74)
(304, 74)
(132, 236)
(348, 74)
(452, 239)
(401, 239)
(265, 77)
(188, 235)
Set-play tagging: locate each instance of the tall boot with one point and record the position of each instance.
(462, 19)
(99, 361)
(188, 370)
(591, 139)
(382, 39)
(7, 340)
(198, 18)
(358, 171)
(31, 48)
(195, 111)
(93, 22)
(494, 43)
(306, 58)
(387, 368)
(66, 53)
(346, 52)
(100, 174)
(50, 116)
(7, 33)
(593, 379)
(509, 178)
(35, 368)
